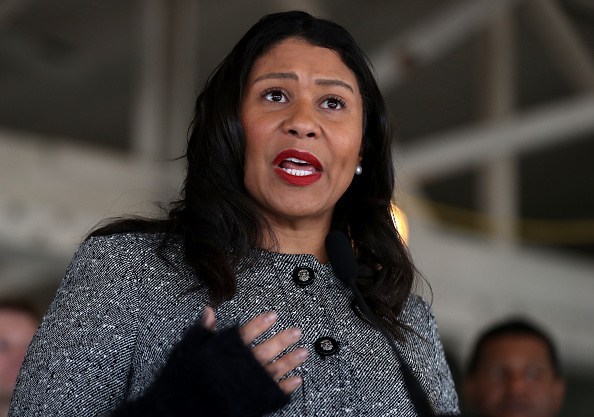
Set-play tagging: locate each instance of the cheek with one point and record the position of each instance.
(249, 172)
(490, 393)
(352, 153)
(251, 145)
(354, 131)
(254, 135)
(254, 162)
(255, 147)
(10, 363)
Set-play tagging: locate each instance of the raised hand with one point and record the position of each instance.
(268, 351)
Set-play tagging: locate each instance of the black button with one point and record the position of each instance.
(303, 276)
(326, 346)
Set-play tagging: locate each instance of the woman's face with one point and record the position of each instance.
(302, 114)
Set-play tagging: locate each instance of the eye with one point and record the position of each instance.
(333, 103)
(275, 95)
(534, 373)
(495, 373)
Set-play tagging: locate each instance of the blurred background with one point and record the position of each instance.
(492, 103)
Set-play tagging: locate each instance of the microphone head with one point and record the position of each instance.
(341, 256)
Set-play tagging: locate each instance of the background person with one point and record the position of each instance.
(514, 371)
(18, 322)
(290, 140)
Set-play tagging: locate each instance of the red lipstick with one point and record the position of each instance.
(297, 167)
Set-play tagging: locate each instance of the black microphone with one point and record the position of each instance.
(342, 257)
(345, 266)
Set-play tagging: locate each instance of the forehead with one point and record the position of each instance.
(300, 56)
(515, 348)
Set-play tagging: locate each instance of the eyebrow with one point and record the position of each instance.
(293, 76)
(335, 82)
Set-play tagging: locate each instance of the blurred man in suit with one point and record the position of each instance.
(514, 371)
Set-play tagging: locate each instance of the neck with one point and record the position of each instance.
(300, 236)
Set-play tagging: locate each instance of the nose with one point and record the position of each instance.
(301, 121)
(516, 385)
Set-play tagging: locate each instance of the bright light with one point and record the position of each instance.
(400, 221)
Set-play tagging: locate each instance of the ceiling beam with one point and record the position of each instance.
(460, 149)
(475, 282)
(570, 53)
(431, 39)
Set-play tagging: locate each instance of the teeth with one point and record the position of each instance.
(297, 161)
(297, 172)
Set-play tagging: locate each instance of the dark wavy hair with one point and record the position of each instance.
(218, 220)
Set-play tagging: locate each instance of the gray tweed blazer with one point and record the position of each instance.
(121, 308)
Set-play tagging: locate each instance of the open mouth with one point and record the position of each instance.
(297, 167)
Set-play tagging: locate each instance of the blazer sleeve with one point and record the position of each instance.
(79, 359)
(440, 387)
(79, 362)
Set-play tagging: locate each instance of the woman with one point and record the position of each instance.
(290, 140)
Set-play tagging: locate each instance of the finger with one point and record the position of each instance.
(290, 384)
(209, 320)
(286, 363)
(271, 348)
(256, 326)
